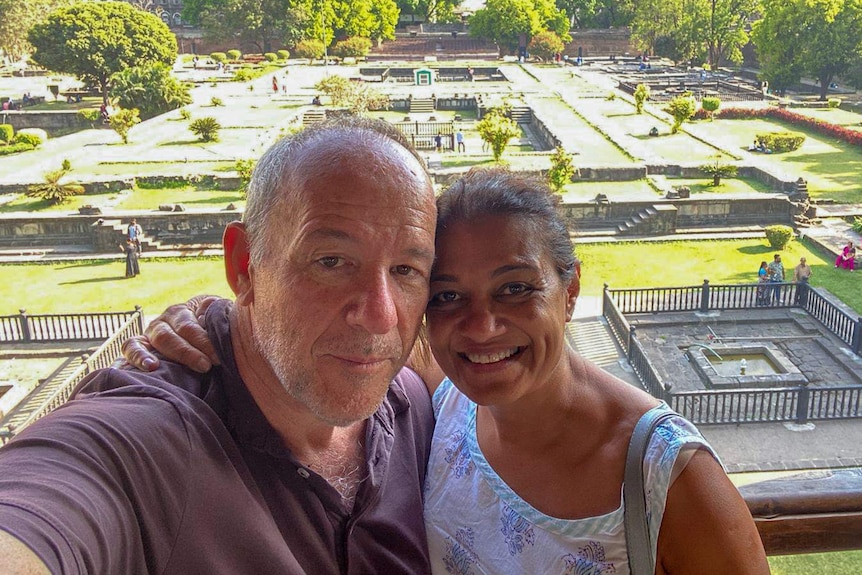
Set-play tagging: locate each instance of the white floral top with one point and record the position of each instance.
(477, 525)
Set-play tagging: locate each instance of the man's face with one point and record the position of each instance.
(339, 299)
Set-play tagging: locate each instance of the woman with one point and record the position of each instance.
(762, 280)
(131, 251)
(847, 257)
(527, 462)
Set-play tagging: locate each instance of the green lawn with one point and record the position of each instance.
(832, 168)
(843, 563)
(728, 185)
(831, 115)
(584, 191)
(143, 199)
(159, 168)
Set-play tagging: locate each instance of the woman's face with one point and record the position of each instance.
(497, 309)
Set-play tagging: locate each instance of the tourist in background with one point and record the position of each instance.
(847, 258)
(762, 280)
(775, 269)
(132, 267)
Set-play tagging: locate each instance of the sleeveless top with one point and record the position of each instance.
(477, 525)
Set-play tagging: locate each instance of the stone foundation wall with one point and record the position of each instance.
(51, 122)
(606, 42)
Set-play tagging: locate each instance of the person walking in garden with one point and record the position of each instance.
(134, 232)
(438, 143)
(762, 280)
(847, 257)
(802, 272)
(775, 270)
(132, 267)
(459, 138)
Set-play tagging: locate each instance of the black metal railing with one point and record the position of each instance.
(26, 328)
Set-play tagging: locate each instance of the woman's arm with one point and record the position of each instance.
(707, 528)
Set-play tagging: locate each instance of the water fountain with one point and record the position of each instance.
(741, 364)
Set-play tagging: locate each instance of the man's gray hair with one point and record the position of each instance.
(281, 170)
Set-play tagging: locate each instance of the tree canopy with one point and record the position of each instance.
(94, 40)
(826, 42)
(150, 88)
(430, 10)
(16, 19)
(506, 21)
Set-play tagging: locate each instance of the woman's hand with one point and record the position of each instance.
(179, 335)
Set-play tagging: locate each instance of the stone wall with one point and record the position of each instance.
(52, 122)
(596, 43)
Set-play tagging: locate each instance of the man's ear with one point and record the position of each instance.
(237, 262)
(573, 291)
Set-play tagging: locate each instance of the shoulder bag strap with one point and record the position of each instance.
(634, 498)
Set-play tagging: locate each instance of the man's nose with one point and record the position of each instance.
(374, 308)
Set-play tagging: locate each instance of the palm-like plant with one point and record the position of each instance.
(53, 190)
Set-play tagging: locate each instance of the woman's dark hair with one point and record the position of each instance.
(499, 192)
(762, 265)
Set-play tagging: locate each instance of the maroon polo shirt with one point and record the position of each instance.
(176, 472)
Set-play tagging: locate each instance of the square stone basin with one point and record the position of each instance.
(766, 366)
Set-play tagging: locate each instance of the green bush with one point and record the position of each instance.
(124, 120)
(311, 49)
(856, 225)
(215, 101)
(15, 148)
(206, 129)
(778, 236)
(782, 141)
(710, 104)
(218, 57)
(234, 54)
(641, 94)
(270, 57)
(185, 114)
(611, 96)
(243, 75)
(6, 132)
(681, 108)
(91, 115)
(834, 102)
(29, 139)
(283, 54)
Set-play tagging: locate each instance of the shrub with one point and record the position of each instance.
(52, 190)
(27, 138)
(283, 54)
(641, 96)
(834, 102)
(270, 57)
(561, 171)
(545, 45)
(91, 115)
(778, 236)
(857, 225)
(185, 114)
(243, 75)
(718, 169)
(311, 49)
(244, 169)
(14, 149)
(234, 54)
(842, 133)
(6, 132)
(681, 108)
(782, 141)
(611, 96)
(206, 129)
(215, 101)
(218, 57)
(355, 47)
(151, 88)
(123, 120)
(710, 104)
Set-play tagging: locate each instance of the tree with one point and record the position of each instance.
(53, 190)
(95, 40)
(497, 129)
(642, 93)
(726, 30)
(311, 49)
(124, 120)
(825, 43)
(430, 10)
(355, 47)
(681, 108)
(581, 13)
(150, 88)
(358, 98)
(710, 105)
(717, 169)
(16, 19)
(545, 45)
(561, 171)
(206, 129)
(507, 21)
(245, 169)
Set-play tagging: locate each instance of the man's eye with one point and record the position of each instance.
(404, 270)
(330, 261)
(444, 297)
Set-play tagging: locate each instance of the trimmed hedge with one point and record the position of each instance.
(270, 57)
(283, 54)
(218, 56)
(782, 141)
(815, 125)
(29, 139)
(778, 236)
(6, 132)
(234, 54)
(15, 148)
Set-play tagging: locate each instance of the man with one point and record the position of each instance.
(775, 271)
(459, 138)
(135, 232)
(801, 275)
(305, 450)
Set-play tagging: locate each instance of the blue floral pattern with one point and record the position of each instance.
(459, 558)
(589, 560)
(458, 455)
(516, 530)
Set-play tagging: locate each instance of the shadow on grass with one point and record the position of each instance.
(93, 280)
(757, 250)
(233, 198)
(180, 143)
(618, 114)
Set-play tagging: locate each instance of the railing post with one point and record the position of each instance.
(857, 337)
(24, 323)
(605, 300)
(802, 401)
(631, 343)
(704, 297)
(140, 321)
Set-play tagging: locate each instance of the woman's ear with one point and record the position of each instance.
(573, 291)
(237, 264)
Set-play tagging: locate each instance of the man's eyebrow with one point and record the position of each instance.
(329, 233)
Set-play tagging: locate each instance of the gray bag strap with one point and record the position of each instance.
(634, 498)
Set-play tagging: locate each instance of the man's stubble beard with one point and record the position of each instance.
(299, 383)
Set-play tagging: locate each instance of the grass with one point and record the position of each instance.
(840, 563)
(832, 168)
(584, 191)
(150, 199)
(728, 185)
(159, 168)
(35, 205)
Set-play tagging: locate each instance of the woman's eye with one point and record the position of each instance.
(444, 297)
(516, 289)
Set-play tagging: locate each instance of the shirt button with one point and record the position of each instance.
(303, 473)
